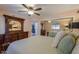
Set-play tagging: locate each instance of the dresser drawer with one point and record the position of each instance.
(1, 42)
(1, 39)
(23, 35)
(10, 37)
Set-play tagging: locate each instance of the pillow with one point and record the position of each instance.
(76, 34)
(76, 48)
(70, 33)
(57, 38)
(66, 44)
(52, 34)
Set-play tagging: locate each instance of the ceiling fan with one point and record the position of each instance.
(31, 10)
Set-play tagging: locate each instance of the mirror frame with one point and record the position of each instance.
(7, 25)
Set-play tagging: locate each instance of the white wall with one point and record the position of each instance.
(28, 26)
(72, 13)
(39, 27)
(2, 25)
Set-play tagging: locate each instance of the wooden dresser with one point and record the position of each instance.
(1, 42)
(12, 32)
(43, 32)
(22, 35)
(8, 38)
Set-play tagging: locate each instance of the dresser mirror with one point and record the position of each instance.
(13, 24)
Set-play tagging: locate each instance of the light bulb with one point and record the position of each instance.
(30, 12)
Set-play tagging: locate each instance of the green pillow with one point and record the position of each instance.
(66, 44)
(52, 34)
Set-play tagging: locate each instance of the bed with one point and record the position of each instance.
(32, 45)
(62, 43)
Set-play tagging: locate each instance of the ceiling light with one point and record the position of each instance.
(49, 21)
(30, 12)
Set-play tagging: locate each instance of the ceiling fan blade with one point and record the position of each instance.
(24, 6)
(37, 14)
(31, 8)
(38, 9)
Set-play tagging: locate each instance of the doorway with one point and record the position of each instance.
(34, 28)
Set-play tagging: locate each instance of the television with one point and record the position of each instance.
(74, 25)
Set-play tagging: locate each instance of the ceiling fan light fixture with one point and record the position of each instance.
(30, 12)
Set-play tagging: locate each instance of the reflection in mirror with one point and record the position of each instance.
(14, 25)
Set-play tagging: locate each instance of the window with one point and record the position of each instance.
(56, 27)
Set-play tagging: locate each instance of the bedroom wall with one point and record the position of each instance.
(71, 13)
(28, 26)
(47, 26)
(67, 14)
(39, 27)
(2, 25)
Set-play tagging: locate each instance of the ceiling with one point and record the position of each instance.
(48, 11)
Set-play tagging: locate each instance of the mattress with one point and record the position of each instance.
(32, 45)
